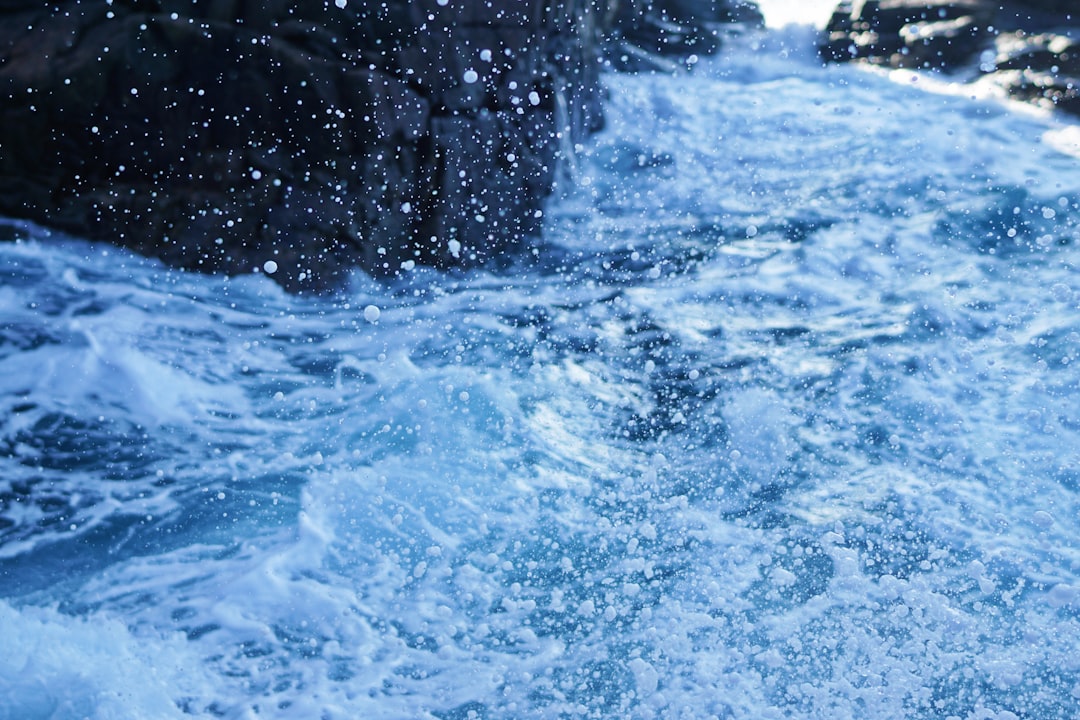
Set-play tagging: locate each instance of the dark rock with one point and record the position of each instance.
(908, 33)
(1042, 68)
(218, 135)
(1027, 47)
(657, 34)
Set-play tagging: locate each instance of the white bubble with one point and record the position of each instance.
(751, 231)
(372, 313)
(1043, 519)
(341, 3)
(470, 76)
(256, 175)
(534, 97)
(1061, 595)
(485, 55)
(270, 267)
(646, 678)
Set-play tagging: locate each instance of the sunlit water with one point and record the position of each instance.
(780, 420)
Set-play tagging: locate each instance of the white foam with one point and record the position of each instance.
(56, 666)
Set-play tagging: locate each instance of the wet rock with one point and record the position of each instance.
(322, 135)
(1041, 68)
(658, 34)
(220, 135)
(908, 33)
(1026, 47)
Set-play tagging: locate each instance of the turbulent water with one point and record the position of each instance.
(780, 419)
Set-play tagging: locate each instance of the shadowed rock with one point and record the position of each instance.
(908, 33)
(222, 134)
(219, 135)
(1026, 47)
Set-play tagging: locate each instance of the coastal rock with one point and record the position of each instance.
(908, 33)
(309, 136)
(644, 34)
(318, 135)
(1041, 68)
(1026, 47)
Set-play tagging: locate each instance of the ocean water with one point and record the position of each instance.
(779, 419)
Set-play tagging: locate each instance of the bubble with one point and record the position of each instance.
(341, 3)
(270, 267)
(1043, 519)
(470, 76)
(372, 313)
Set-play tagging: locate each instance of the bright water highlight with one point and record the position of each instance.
(779, 421)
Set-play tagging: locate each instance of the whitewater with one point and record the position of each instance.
(778, 419)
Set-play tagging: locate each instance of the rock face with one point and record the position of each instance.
(641, 34)
(908, 33)
(220, 134)
(1027, 47)
(317, 134)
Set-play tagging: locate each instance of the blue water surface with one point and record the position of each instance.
(779, 419)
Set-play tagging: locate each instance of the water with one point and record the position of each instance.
(778, 421)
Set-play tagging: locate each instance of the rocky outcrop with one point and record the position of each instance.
(908, 33)
(645, 34)
(220, 134)
(1027, 47)
(1041, 67)
(309, 136)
